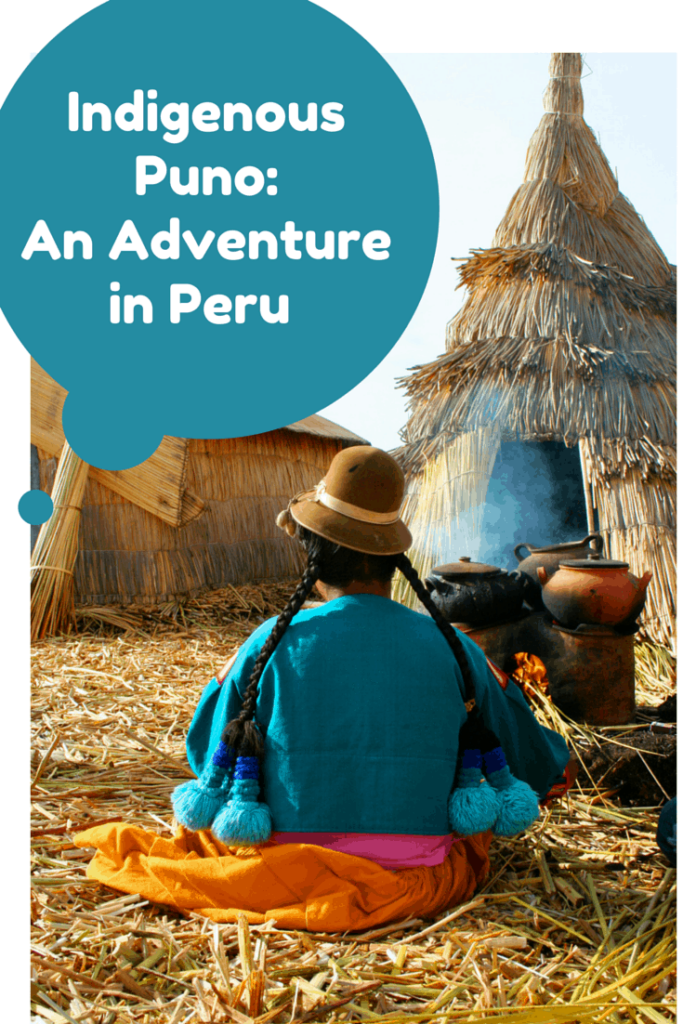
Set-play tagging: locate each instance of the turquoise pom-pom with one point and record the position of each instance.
(243, 821)
(518, 804)
(196, 803)
(472, 808)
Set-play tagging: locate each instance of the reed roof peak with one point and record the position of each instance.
(563, 94)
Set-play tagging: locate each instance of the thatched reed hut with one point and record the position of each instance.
(199, 514)
(567, 334)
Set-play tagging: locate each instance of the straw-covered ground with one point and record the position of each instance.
(576, 922)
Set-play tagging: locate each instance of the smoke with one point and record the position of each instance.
(535, 495)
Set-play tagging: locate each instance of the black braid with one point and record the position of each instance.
(405, 565)
(241, 733)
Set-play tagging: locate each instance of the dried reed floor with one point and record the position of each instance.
(575, 924)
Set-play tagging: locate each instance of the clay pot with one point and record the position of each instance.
(594, 591)
(467, 591)
(551, 556)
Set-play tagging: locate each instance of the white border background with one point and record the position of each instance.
(392, 26)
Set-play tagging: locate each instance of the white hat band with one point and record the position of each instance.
(363, 515)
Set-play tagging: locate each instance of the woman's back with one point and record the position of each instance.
(361, 706)
(333, 744)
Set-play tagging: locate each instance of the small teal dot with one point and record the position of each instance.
(35, 507)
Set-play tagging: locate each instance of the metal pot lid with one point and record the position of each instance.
(593, 563)
(465, 567)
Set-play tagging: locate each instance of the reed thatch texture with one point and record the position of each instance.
(54, 555)
(319, 426)
(567, 333)
(639, 522)
(451, 491)
(129, 555)
(158, 485)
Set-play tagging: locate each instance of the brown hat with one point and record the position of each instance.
(356, 505)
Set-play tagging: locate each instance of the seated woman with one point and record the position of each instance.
(366, 726)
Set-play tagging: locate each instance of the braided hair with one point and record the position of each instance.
(241, 733)
(404, 564)
(337, 566)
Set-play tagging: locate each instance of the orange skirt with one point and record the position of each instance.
(298, 885)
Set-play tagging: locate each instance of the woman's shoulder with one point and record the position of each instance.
(255, 640)
(369, 613)
(362, 607)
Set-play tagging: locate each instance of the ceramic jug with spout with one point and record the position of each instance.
(595, 591)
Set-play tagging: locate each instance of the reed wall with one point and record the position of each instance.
(126, 554)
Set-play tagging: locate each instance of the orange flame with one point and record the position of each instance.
(530, 674)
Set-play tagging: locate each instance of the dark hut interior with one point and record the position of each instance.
(535, 494)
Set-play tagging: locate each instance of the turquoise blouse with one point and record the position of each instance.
(361, 706)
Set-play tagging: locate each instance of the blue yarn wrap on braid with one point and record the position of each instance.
(196, 803)
(473, 804)
(518, 804)
(244, 821)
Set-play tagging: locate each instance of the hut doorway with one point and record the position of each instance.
(535, 494)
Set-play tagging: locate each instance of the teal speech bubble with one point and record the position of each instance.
(217, 218)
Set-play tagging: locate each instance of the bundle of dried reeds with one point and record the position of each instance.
(54, 556)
